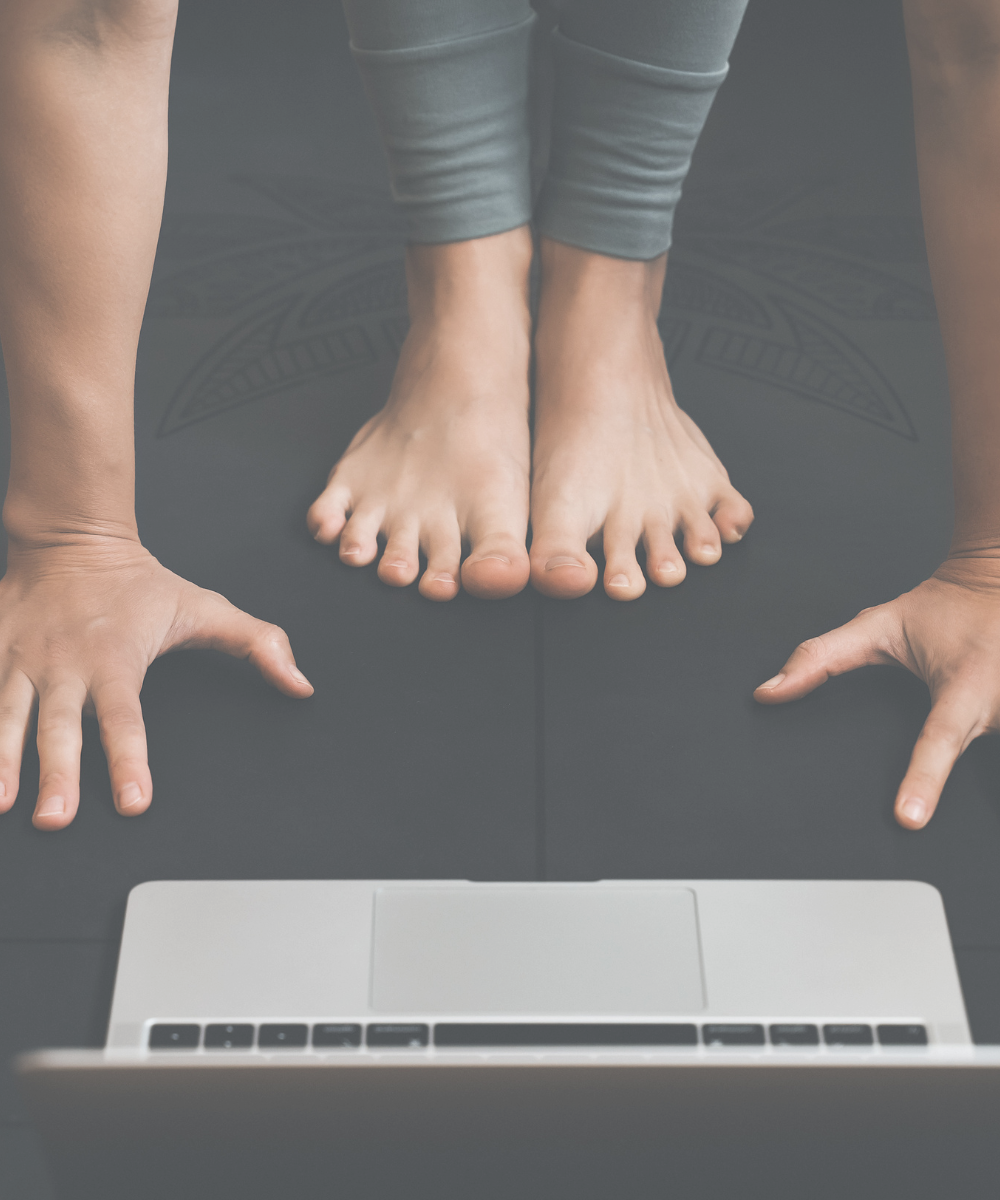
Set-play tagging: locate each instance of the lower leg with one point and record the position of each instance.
(613, 451)
(445, 464)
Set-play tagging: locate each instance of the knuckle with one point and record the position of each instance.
(269, 636)
(942, 732)
(12, 714)
(63, 718)
(121, 717)
(812, 648)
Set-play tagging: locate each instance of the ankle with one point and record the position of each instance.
(570, 274)
(488, 273)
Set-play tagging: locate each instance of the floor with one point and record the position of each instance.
(529, 738)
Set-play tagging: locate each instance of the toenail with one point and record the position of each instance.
(709, 548)
(562, 560)
(350, 549)
(398, 562)
(618, 581)
(443, 577)
(667, 566)
(493, 558)
(914, 810)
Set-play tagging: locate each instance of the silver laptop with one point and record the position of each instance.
(448, 1038)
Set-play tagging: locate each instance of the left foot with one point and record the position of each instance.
(613, 452)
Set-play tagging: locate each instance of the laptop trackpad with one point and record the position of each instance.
(576, 949)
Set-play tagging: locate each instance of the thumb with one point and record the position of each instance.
(857, 644)
(218, 625)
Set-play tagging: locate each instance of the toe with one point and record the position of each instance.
(497, 566)
(701, 539)
(733, 516)
(400, 561)
(328, 513)
(359, 540)
(560, 564)
(444, 553)
(623, 577)
(665, 565)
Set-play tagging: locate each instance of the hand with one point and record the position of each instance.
(946, 631)
(79, 625)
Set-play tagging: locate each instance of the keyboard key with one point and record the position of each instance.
(848, 1035)
(902, 1035)
(337, 1035)
(733, 1035)
(282, 1035)
(398, 1035)
(178, 1037)
(228, 1037)
(576, 1033)
(794, 1035)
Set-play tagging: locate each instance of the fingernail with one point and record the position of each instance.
(914, 810)
(297, 675)
(51, 806)
(771, 683)
(618, 581)
(129, 796)
(562, 561)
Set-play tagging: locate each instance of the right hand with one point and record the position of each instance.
(80, 624)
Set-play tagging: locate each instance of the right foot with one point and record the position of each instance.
(445, 465)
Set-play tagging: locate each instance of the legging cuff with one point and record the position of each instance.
(454, 122)
(623, 133)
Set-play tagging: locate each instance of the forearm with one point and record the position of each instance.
(955, 65)
(83, 144)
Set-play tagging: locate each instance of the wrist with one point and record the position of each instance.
(31, 526)
(975, 567)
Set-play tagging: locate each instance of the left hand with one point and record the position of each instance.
(946, 631)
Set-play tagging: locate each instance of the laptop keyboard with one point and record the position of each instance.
(539, 1035)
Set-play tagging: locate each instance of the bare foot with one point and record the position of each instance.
(445, 464)
(613, 452)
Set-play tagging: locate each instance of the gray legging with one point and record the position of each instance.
(634, 80)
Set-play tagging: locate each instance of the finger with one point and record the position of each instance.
(60, 737)
(17, 699)
(857, 644)
(954, 721)
(123, 736)
(220, 625)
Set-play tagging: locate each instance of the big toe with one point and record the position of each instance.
(560, 564)
(497, 567)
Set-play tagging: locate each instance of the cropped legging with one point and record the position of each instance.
(448, 81)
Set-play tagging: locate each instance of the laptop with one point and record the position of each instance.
(445, 1038)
